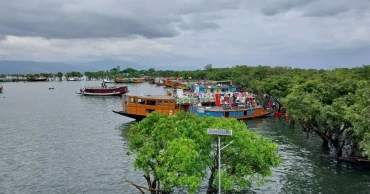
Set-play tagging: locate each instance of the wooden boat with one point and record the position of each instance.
(159, 84)
(122, 80)
(103, 91)
(136, 80)
(138, 107)
(183, 86)
(1, 89)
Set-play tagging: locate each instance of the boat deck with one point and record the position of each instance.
(229, 108)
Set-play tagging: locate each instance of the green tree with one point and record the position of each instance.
(176, 152)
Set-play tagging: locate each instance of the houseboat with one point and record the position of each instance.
(1, 89)
(138, 107)
(103, 91)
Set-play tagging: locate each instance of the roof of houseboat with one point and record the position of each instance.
(157, 97)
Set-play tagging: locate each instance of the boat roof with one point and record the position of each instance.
(154, 97)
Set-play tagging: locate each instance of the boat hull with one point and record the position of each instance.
(100, 94)
(133, 116)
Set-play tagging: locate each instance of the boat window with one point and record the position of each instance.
(141, 101)
(160, 102)
(132, 100)
(170, 112)
(172, 102)
(165, 102)
(151, 102)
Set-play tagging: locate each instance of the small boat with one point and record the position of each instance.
(1, 89)
(122, 80)
(103, 91)
(51, 88)
(73, 79)
(107, 80)
(159, 84)
(152, 81)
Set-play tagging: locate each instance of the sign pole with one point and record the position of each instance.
(219, 165)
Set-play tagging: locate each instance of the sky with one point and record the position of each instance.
(188, 34)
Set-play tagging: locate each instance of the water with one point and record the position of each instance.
(55, 141)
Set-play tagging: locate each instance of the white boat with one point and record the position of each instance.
(73, 79)
(107, 80)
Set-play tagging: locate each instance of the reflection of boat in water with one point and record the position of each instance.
(103, 91)
(138, 107)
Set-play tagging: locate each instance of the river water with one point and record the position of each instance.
(55, 141)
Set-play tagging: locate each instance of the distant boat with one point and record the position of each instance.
(136, 80)
(38, 79)
(51, 88)
(121, 80)
(73, 79)
(107, 80)
(103, 91)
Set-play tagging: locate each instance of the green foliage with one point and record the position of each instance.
(176, 152)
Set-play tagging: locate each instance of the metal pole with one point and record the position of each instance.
(219, 165)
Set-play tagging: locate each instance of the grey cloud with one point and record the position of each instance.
(326, 12)
(314, 8)
(158, 19)
(272, 7)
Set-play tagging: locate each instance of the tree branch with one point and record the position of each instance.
(141, 187)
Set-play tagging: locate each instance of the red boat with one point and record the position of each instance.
(159, 84)
(103, 91)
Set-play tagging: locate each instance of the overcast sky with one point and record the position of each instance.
(185, 34)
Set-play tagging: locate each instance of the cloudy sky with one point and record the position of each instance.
(185, 34)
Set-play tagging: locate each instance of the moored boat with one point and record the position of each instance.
(73, 79)
(103, 91)
(138, 107)
(136, 80)
(122, 80)
(107, 80)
